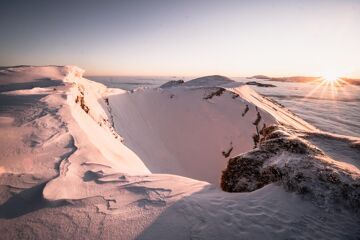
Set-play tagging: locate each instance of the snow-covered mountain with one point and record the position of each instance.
(79, 160)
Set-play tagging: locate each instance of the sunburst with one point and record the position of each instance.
(328, 86)
(330, 77)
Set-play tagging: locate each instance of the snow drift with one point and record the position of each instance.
(79, 159)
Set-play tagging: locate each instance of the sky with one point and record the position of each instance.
(188, 38)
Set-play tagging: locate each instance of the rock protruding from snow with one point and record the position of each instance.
(297, 165)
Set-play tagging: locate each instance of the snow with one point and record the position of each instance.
(79, 160)
(158, 125)
(172, 83)
(208, 81)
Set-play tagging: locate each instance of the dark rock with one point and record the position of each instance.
(218, 92)
(295, 164)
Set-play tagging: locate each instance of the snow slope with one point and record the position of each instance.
(79, 160)
(159, 125)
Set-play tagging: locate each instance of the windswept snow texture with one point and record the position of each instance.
(81, 161)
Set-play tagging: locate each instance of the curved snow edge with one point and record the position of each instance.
(89, 122)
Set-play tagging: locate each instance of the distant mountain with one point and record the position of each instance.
(352, 81)
(295, 79)
(259, 77)
(209, 81)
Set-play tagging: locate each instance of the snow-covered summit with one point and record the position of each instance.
(172, 83)
(208, 81)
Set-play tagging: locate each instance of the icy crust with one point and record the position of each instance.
(298, 166)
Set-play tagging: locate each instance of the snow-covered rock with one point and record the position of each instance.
(298, 165)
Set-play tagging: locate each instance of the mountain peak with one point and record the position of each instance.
(209, 81)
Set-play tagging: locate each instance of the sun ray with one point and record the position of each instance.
(329, 87)
(315, 89)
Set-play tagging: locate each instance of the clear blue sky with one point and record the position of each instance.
(234, 38)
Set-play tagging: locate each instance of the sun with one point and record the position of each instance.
(330, 77)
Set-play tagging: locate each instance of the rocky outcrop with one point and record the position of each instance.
(295, 164)
(215, 92)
